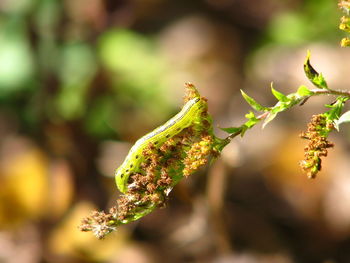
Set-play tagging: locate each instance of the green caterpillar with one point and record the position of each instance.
(157, 137)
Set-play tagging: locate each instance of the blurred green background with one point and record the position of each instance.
(81, 80)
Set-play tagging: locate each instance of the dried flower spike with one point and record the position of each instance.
(316, 134)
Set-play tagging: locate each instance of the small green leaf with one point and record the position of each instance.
(304, 91)
(244, 129)
(232, 129)
(335, 109)
(310, 72)
(256, 106)
(280, 96)
(251, 123)
(344, 118)
(252, 120)
(316, 78)
(320, 82)
(250, 115)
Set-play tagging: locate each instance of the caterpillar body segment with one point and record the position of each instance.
(185, 118)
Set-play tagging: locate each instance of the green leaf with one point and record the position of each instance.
(250, 115)
(320, 82)
(280, 96)
(244, 129)
(252, 120)
(316, 78)
(231, 129)
(256, 106)
(304, 91)
(310, 72)
(335, 109)
(251, 123)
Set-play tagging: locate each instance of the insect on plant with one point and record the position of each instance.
(175, 150)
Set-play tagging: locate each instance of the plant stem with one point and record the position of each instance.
(331, 92)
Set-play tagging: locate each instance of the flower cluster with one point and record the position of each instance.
(317, 132)
(197, 155)
(100, 223)
(345, 22)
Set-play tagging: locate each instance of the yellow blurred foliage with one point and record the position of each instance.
(24, 184)
(31, 186)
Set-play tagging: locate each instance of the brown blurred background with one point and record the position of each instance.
(81, 80)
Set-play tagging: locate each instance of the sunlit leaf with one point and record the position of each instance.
(231, 130)
(304, 91)
(316, 78)
(252, 102)
(278, 95)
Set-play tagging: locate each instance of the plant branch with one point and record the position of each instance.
(300, 97)
(331, 92)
